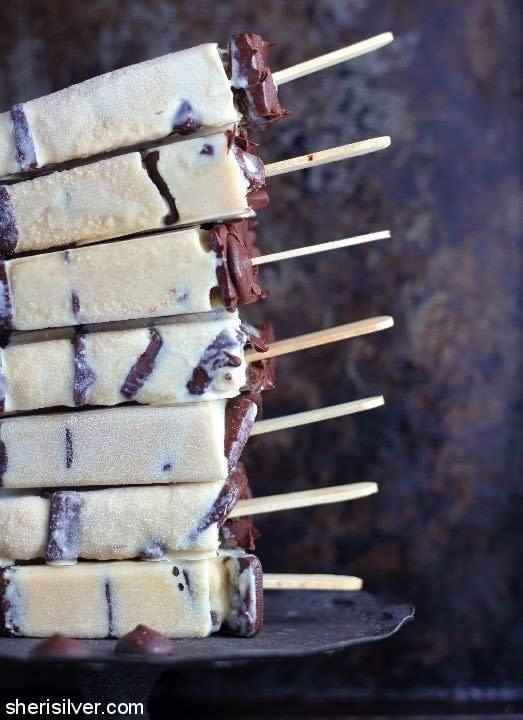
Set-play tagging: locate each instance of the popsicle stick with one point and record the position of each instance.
(320, 247)
(322, 337)
(292, 581)
(303, 498)
(363, 147)
(311, 416)
(333, 58)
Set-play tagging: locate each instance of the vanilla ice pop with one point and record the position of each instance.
(117, 523)
(177, 596)
(196, 181)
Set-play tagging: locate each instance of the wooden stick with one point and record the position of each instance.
(321, 337)
(333, 58)
(327, 156)
(303, 498)
(288, 581)
(310, 416)
(321, 247)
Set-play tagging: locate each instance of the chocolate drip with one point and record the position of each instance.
(7, 626)
(224, 503)
(84, 376)
(143, 367)
(150, 162)
(240, 414)
(68, 448)
(185, 121)
(3, 460)
(255, 93)
(25, 151)
(60, 646)
(109, 608)
(6, 313)
(144, 640)
(75, 304)
(217, 355)
(8, 228)
(64, 526)
(233, 244)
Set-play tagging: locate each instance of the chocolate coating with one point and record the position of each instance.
(217, 355)
(261, 374)
(255, 92)
(60, 646)
(240, 414)
(8, 229)
(236, 276)
(3, 460)
(231, 492)
(144, 640)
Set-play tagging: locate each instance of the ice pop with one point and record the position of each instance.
(132, 193)
(164, 364)
(160, 188)
(173, 273)
(194, 442)
(179, 93)
(176, 596)
(117, 523)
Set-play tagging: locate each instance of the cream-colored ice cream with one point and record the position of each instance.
(189, 182)
(116, 523)
(176, 363)
(175, 596)
(126, 445)
(178, 92)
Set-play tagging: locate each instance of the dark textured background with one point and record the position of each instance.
(445, 530)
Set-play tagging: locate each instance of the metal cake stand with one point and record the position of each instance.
(297, 623)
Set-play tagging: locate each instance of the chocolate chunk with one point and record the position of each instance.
(8, 625)
(255, 93)
(215, 622)
(75, 303)
(215, 356)
(109, 608)
(68, 448)
(187, 579)
(64, 526)
(3, 459)
(6, 313)
(8, 229)
(67, 256)
(150, 163)
(240, 414)
(236, 277)
(60, 646)
(258, 199)
(143, 367)
(84, 376)
(153, 550)
(25, 151)
(185, 121)
(207, 149)
(144, 640)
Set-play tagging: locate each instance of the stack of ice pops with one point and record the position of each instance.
(129, 385)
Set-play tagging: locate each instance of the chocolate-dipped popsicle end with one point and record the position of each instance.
(240, 414)
(233, 488)
(261, 374)
(245, 574)
(251, 79)
(233, 245)
(144, 640)
(6, 310)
